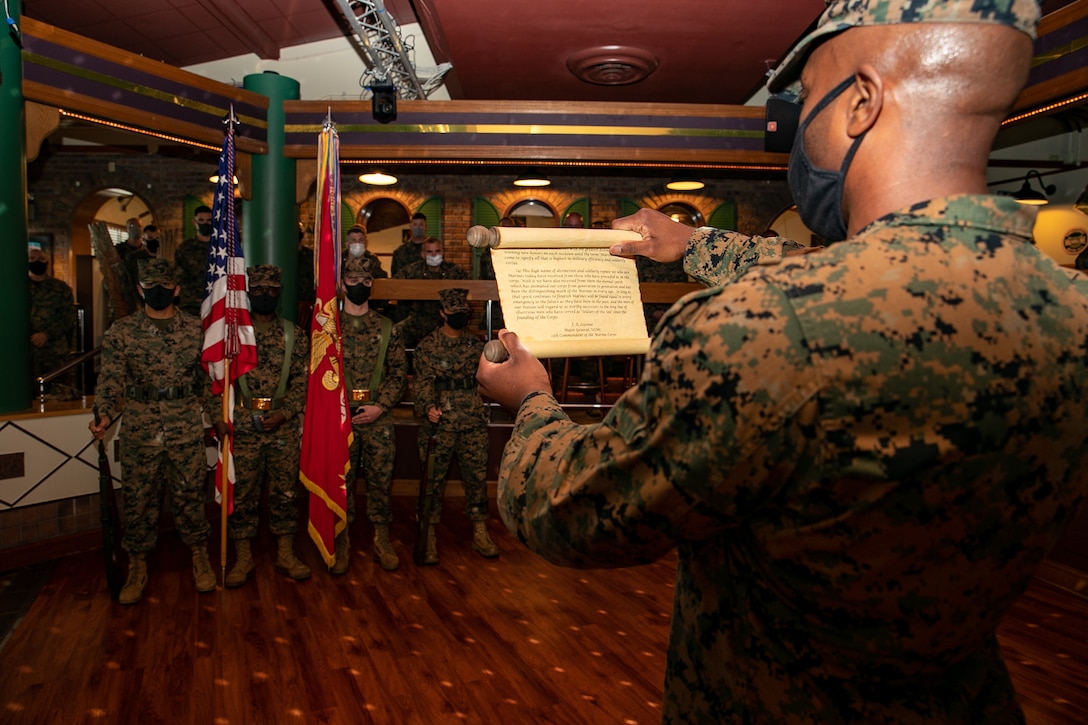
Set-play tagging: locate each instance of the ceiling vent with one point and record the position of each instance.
(612, 65)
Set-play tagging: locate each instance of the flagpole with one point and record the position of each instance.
(224, 477)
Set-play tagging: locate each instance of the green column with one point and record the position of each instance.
(16, 390)
(270, 218)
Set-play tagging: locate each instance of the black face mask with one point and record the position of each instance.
(204, 229)
(357, 293)
(159, 297)
(818, 192)
(38, 267)
(457, 320)
(263, 304)
(152, 245)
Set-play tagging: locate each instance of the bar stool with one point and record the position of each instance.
(584, 386)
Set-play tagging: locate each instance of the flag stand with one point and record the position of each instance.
(225, 495)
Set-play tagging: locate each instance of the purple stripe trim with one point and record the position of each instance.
(1066, 64)
(79, 59)
(722, 123)
(1061, 36)
(525, 140)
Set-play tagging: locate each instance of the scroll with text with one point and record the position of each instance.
(563, 293)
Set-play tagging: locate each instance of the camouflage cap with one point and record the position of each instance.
(156, 270)
(845, 14)
(357, 266)
(454, 300)
(264, 275)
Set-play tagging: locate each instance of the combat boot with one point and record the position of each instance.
(481, 542)
(203, 576)
(286, 561)
(383, 549)
(133, 590)
(431, 557)
(343, 549)
(243, 565)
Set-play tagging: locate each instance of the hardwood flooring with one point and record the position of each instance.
(509, 640)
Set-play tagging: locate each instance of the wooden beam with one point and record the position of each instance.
(40, 122)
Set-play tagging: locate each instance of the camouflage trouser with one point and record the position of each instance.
(471, 447)
(145, 470)
(265, 456)
(372, 452)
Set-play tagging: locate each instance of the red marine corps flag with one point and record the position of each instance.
(326, 428)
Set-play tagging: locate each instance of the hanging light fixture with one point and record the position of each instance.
(378, 178)
(684, 180)
(532, 177)
(1028, 195)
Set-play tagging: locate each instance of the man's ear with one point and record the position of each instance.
(866, 100)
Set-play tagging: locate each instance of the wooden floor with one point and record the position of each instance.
(512, 640)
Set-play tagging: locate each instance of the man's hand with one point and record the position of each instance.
(272, 420)
(434, 414)
(507, 383)
(222, 430)
(99, 430)
(663, 240)
(38, 339)
(367, 414)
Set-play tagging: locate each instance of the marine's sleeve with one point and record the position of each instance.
(110, 388)
(294, 400)
(710, 432)
(716, 256)
(60, 321)
(395, 376)
(423, 365)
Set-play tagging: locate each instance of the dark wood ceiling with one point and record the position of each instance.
(696, 51)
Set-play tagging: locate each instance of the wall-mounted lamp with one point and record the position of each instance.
(685, 181)
(214, 178)
(1028, 195)
(532, 177)
(378, 178)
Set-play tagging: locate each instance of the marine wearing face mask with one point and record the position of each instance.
(861, 453)
(452, 411)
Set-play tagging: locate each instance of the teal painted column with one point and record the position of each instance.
(15, 393)
(270, 218)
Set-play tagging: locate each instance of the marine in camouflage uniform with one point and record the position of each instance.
(191, 258)
(861, 453)
(52, 322)
(151, 364)
(420, 317)
(270, 396)
(411, 249)
(375, 373)
(449, 404)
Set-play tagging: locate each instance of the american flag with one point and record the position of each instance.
(228, 331)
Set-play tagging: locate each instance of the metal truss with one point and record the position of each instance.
(388, 54)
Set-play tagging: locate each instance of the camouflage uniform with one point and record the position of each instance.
(272, 454)
(422, 316)
(154, 367)
(860, 470)
(191, 260)
(53, 312)
(407, 254)
(651, 271)
(445, 378)
(373, 447)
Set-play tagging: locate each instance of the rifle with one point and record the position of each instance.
(110, 519)
(423, 504)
